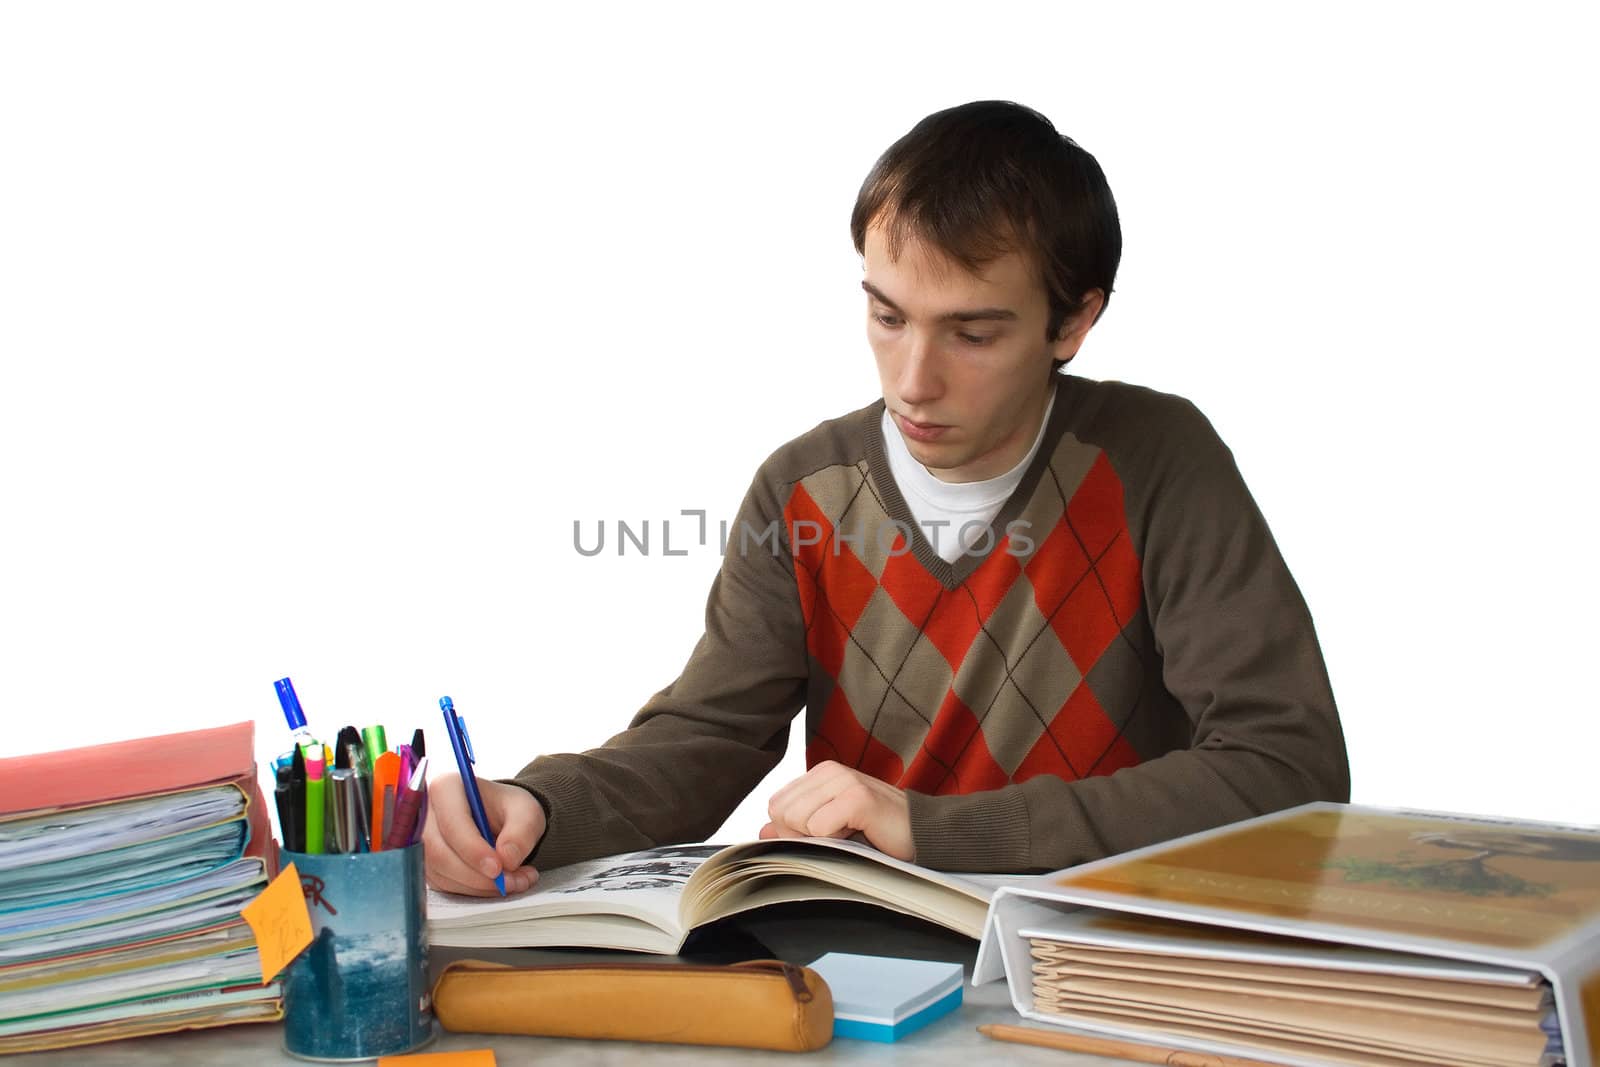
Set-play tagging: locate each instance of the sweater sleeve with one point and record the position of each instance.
(700, 745)
(1237, 652)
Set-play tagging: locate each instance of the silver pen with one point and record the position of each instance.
(341, 782)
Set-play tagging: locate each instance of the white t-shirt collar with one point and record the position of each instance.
(963, 497)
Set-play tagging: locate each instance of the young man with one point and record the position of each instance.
(1033, 619)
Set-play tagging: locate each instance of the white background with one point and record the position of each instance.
(321, 324)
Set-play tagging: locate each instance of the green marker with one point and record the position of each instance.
(316, 796)
(376, 744)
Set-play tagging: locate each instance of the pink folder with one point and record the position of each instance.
(171, 763)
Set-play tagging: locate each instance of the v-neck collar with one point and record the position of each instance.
(952, 575)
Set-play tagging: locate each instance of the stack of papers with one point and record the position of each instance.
(119, 913)
(1372, 1015)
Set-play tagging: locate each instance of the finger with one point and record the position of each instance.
(448, 871)
(792, 816)
(458, 852)
(445, 871)
(450, 885)
(518, 819)
(842, 815)
(794, 796)
(821, 790)
(807, 781)
(780, 799)
(871, 811)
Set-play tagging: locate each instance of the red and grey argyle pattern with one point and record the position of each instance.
(968, 684)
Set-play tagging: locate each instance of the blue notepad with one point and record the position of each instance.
(881, 998)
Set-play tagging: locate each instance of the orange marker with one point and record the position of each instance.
(385, 782)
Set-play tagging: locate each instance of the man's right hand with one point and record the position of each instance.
(458, 859)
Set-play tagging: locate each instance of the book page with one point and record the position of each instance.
(138, 956)
(1159, 938)
(189, 917)
(650, 900)
(635, 896)
(88, 832)
(1413, 996)
(1389, 1032)
(827, 865)
(1163, 1028)
(731, 889)
(1195, 970)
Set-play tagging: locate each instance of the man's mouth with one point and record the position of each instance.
(920, 431)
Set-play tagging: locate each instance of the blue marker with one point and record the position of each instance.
(291, 711)
(456, 727)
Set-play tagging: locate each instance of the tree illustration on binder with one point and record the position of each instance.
(1471, 874)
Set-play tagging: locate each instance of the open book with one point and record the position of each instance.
(650, 901)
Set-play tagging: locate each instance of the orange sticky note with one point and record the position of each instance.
(281, 922)
(478, 1057)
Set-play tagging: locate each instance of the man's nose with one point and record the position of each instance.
(920, 378)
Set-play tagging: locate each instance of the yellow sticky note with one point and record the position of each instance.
(281, 922)
(478, 1057)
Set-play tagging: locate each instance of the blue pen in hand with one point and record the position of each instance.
(456, 727)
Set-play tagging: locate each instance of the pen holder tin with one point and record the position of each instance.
(360, 990)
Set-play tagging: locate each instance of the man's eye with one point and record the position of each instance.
(972, 339)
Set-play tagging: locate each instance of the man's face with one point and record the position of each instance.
(962, 358)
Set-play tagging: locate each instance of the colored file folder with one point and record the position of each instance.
(122, 871)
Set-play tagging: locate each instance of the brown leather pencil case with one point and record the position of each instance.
(764, 1004)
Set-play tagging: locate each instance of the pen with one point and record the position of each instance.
(456, 727)
(385, 780)
(280, 796)
(357, 817)
(407, 806)
(353, 755)
(290, 702)
(339, 787)
(316, 798)
(294, 830)
(418, 750)
(1122, 1050)
(375, 743)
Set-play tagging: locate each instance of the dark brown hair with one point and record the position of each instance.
(991, 177)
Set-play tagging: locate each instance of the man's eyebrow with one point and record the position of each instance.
(953, 316)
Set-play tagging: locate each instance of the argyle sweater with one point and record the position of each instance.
(1127, 658)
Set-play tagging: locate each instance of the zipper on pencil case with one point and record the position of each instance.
(791, 973)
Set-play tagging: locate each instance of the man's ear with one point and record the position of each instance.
(1076, 327)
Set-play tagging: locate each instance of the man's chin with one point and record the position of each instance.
(938, 456)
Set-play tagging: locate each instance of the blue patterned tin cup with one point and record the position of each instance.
(360, 990)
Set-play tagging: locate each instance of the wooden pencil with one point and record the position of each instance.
(1122, 1050)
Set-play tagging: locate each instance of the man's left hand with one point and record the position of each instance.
(832, 800)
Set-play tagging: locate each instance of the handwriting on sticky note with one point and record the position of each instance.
(478, 1057)
(281, 922)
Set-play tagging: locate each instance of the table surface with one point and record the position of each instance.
(799, 934)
